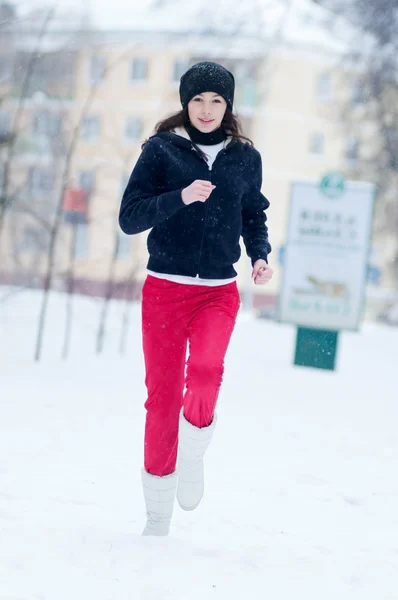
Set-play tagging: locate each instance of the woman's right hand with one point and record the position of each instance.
(198, 191)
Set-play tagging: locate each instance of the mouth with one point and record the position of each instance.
(206, 121)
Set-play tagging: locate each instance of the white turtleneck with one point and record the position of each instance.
(211, 152)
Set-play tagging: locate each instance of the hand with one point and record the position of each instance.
(198, 191)
(261, 273)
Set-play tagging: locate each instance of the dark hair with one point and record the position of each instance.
(230, 123)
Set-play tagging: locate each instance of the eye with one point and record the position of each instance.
(197, 99)
(217, 100)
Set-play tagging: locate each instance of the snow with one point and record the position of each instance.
(301, 477)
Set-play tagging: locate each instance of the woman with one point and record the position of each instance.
(197, 185)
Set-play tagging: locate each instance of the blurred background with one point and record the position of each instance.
(82, 84)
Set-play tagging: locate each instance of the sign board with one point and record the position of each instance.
(75, 205)
(326, 253)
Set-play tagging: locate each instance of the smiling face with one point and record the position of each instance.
(206, 111)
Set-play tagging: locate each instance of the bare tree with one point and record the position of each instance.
(56, 226)
(6, 195)
(371, 113)
(108, 295)
(131, 295)
(27, 77)
(69, 295)
(51, 261)
(40, 64)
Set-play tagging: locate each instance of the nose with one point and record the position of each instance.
(206, 109)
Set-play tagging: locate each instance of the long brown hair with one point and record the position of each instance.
(230, 123)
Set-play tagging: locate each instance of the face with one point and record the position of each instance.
(206, 111)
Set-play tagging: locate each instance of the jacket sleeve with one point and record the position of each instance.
(141, 207)
(254, 228)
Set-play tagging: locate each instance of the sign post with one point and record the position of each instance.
(325, 264)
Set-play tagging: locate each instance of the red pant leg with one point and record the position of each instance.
(164, 328)
(210, 331)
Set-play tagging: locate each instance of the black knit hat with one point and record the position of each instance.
(207, 77)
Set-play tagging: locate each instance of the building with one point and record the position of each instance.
(289, 92)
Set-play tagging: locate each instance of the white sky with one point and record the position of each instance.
(301, 20)
(109, 14)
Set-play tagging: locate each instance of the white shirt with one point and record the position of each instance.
(211, 152)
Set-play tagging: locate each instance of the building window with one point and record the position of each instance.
(351, 152)
(317, 143)
(46, 123)
(246, 78)
(97, 69)
(134, 127)
(5, 67)
(323, 87)
(33, 240)
(81, 239)
(139, 70)
(179, 68)
(40, 179)
(247, 94)
(123, 246)
(90, 128)
(86, 180)
(5, 124)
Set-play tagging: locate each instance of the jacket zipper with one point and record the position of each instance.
(207, 207)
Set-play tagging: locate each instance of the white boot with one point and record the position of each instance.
(159, 493)
(193, 443)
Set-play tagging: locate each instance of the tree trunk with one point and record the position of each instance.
(69, 296)
(5, 196)
(107, 298)
(59, 211)
(129, 299)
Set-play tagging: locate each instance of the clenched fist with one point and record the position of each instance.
(198, 191)
(261, 273)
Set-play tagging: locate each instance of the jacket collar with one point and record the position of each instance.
(179, 137)
(182, 132)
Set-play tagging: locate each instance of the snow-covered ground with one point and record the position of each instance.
(302, 477)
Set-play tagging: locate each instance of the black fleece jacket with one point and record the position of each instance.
(201, 239)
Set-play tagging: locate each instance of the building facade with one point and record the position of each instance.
(288, 98)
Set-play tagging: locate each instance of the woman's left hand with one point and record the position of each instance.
(262, 272)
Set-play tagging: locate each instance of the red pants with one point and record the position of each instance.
(172, 315)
